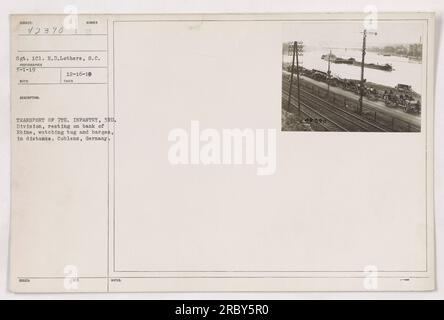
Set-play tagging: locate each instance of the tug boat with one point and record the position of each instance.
(354, 62)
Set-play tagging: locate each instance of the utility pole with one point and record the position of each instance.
(328, 74)
(361, 86)
(297, 47)
(362, 83)
(297, 74)
(295, 44)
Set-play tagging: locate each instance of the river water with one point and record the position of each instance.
(405, 71)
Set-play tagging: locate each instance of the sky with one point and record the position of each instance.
(349, 34)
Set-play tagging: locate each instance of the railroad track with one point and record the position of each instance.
(357, 120)
(344, 118)
(311, 113)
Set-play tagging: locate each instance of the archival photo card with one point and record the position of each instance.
(233, 152)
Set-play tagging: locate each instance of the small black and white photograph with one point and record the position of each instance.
(348, 77)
